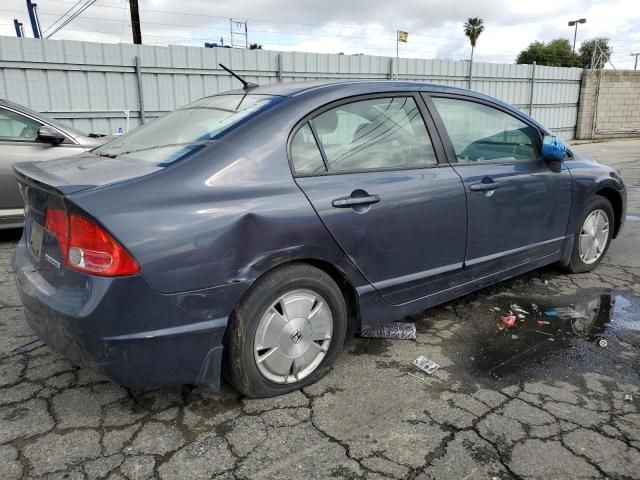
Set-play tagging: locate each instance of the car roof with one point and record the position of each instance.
(364, 87)
(292, 89)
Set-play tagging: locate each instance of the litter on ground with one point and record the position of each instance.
(509, 320)
(518, 309)
(395, 331)
(628, 397)
(425, 364)
(567, 312)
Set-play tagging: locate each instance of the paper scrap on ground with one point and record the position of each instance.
(395, 331)
(426, 365)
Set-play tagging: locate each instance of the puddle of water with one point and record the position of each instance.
(559, 345)
(633, 217)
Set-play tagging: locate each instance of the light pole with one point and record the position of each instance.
(635, 66)
(575, 33)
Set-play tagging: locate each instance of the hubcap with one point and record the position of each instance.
(293, 336)
(593, 236)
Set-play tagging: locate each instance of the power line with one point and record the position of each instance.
(72, 16)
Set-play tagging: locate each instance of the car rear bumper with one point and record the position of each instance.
(127, 331)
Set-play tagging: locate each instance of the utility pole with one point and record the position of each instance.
(135, 22)
(635, 65)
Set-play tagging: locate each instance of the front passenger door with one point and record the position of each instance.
(518, 205)
(19, 143)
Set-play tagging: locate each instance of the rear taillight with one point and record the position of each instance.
(86, 247)
(56, 222)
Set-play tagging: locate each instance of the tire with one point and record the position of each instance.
(252, 364)
(596, 204)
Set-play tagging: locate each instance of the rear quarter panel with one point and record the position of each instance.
(223, 216)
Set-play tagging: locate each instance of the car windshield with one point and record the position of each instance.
(173, 136)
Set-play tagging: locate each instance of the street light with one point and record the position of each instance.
(575, 33)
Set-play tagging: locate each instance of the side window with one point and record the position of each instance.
(484, 134)
(374, 134)
(305, 154)
(16, 127)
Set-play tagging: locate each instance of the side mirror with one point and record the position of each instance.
(47, 134)
(553, 148)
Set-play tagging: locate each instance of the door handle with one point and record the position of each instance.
(349, 202)
(484, 186)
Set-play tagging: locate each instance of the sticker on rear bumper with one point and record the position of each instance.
(35, 238)
(52, 261)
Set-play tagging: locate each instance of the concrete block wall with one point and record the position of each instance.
(609, 105)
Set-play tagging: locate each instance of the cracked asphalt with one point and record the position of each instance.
(540, 400)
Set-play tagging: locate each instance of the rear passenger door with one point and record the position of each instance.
(379, 183)
(518, 204)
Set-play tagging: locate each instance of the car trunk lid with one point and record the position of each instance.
(50, 184)
(80, 172)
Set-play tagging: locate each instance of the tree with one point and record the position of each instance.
(473, 27)
(255, 46)
(602, 50)
(556, 53)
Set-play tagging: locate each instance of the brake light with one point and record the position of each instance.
(56, 222)
(86, 247)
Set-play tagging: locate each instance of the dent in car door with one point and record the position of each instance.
(518, 204)
(376, 184)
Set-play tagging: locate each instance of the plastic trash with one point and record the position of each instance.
(603, 342)
(534, 307)
(518, 309)
(425, 364)
(495, 309)
(521, 316)
(551, 313)
(567, 312)
(628, 397)
(509, 320)
(543, 322)
(394, 331)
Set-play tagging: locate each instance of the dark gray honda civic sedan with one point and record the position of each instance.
(247, 233)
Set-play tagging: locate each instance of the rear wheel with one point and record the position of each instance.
(286, 333)
(592, 236)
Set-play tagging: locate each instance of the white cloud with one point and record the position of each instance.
(355, 26)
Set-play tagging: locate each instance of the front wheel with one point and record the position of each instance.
(592, 236)
(286, 333)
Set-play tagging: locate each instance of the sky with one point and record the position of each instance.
(349, 26)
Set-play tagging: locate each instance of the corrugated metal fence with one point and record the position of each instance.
(90, 85)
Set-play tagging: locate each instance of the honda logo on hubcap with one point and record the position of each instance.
(296, 337)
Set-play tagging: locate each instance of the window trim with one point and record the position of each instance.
(429, 123)
(446, 140)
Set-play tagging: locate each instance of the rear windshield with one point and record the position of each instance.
(181, 132)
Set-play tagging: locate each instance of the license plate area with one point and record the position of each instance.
(35, 238)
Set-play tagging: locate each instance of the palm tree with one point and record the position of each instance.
(472, 29)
